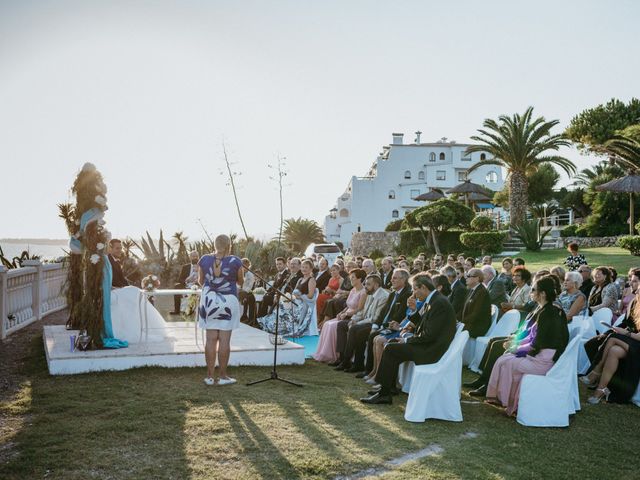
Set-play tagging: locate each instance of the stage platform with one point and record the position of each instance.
(249, 346)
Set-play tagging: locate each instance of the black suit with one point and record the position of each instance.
(118, 280)
(184, 273)
(394, 311)
(267, 301)
(458, 296)
(292, 281)
(476, 312)
(435, 330)
(586, 287)
(386, 280)
(323, 280)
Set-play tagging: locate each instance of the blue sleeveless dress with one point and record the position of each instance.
(219, 307)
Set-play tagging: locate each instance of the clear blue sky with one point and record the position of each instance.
(148, 90)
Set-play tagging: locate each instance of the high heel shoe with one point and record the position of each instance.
(587, 380)
(605, 394)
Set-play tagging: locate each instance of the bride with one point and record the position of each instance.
(128, 308)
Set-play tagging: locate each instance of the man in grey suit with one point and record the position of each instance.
(495, 287)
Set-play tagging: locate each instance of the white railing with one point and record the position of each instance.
(30, 293)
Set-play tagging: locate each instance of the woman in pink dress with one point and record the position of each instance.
(535, 354)
(326, 351)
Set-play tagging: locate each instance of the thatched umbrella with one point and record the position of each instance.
(468, 187)
(430, 196)
(627, 184)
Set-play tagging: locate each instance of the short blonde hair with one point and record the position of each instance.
(222, 243)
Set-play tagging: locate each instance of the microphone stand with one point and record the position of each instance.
(274, 371)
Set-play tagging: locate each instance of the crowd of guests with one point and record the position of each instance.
(371, 320)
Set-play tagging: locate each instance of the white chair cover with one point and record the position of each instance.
(602, 315)
(587, 331)
(636, 397)
(470, 348)
(435, 388)
(548, 400)
(505, 327)
(619, 320)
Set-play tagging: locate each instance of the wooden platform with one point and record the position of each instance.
(249, 346)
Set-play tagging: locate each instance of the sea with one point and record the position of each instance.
(45, 250)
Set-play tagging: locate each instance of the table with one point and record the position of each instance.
(145, 294)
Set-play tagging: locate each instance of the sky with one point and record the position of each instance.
(150, 91)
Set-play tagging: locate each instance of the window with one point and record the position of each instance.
(421, 175)
(395, 214)
(442, 156)
(407, 174)
(344, 212)
(492, 177)
(462, 176)
(432, 157)
(483, 156)
(441, 175)
(414, 193)
(392, 194)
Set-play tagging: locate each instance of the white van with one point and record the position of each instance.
(330, 251)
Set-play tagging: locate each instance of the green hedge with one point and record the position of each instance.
(631, 243)
(483, 242)
(481, 223)
(412, 243)
(394, 225)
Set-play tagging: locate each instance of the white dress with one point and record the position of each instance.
(127, 307)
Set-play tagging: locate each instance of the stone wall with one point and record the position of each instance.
(590, 242)
(362, 243)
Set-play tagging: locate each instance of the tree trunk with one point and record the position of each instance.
(518, 198)
(436, 246)
(424, 236)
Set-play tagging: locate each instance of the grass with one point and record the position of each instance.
(615, 257)
(165, 423)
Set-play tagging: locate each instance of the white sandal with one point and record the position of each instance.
(209, 381)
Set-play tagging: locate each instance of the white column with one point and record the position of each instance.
(3, 301)
(37, 287)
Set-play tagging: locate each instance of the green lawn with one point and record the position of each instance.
(615, 257)
(165, 423)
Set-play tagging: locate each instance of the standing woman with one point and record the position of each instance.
(219, 311)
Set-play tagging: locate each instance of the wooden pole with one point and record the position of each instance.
(631, 219)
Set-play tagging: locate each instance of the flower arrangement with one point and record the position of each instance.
(192, 306)
(150, 283)
(259, 291)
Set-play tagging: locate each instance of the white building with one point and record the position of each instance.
(400, 173)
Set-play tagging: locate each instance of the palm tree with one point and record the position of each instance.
(300, 232)
(624, 148)
(518, 144)
(587, 175)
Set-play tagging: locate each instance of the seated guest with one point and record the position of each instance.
(458, 293)
(337, 303)
(614, 280)
(536, 354)
(629, 292)
(495, 287)
(468, 264)
(438, 261)
(575, 259)
(461, 258)
(506, 275)
(386, 272)
(115, 259)
(571, 299)
(391, 315)
(335, 281)
(269, 298)
(418, 266)
(369, 266)
(360, 324)
(435, 329)
(245, 295)
(359, 261)
(604, 293)
(323, 275)
(441, 282)
(460, 272)
(521, 291)
(587, 281)
(616, 365)
(476, 312)
(295, 274)
(451, 260)
(188, 276)
(404, 265)
(327, 350)
(487, 260)
(559, 272)
(518, 262)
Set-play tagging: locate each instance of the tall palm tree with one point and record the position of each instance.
(299, 232)
(518, 144)
(587, 175)
(624, 148)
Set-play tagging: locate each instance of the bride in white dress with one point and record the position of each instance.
(128, 306)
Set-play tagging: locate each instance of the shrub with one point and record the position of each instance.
(531, 235)
(394, 226)
(483, 242)
(631, 243)
(481, 223)
(569, 231)
(412, 242)
(376, 253)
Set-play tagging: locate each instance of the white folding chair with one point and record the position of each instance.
(602, 315)
(434, 390)
(587, 331)
(548, 400)
(469, 350)
(505, 327)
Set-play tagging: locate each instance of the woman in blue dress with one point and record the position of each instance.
(219, 310)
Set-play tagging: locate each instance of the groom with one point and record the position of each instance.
(115, 259)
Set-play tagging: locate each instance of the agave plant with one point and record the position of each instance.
(531, 235)
(157, 259)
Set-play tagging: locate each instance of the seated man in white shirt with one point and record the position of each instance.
(245, 295)
(188, 276)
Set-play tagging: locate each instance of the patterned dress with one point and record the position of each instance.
(573, 262)
(219, 307)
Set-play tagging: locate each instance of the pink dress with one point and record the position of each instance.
(326, 351)
(507, 373)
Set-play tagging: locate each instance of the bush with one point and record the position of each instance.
(412, 242)
(631, 243)
(570, 231)
(481, 223)
(483, 242)
(394, 226)
(531, 235)
(376, 253)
